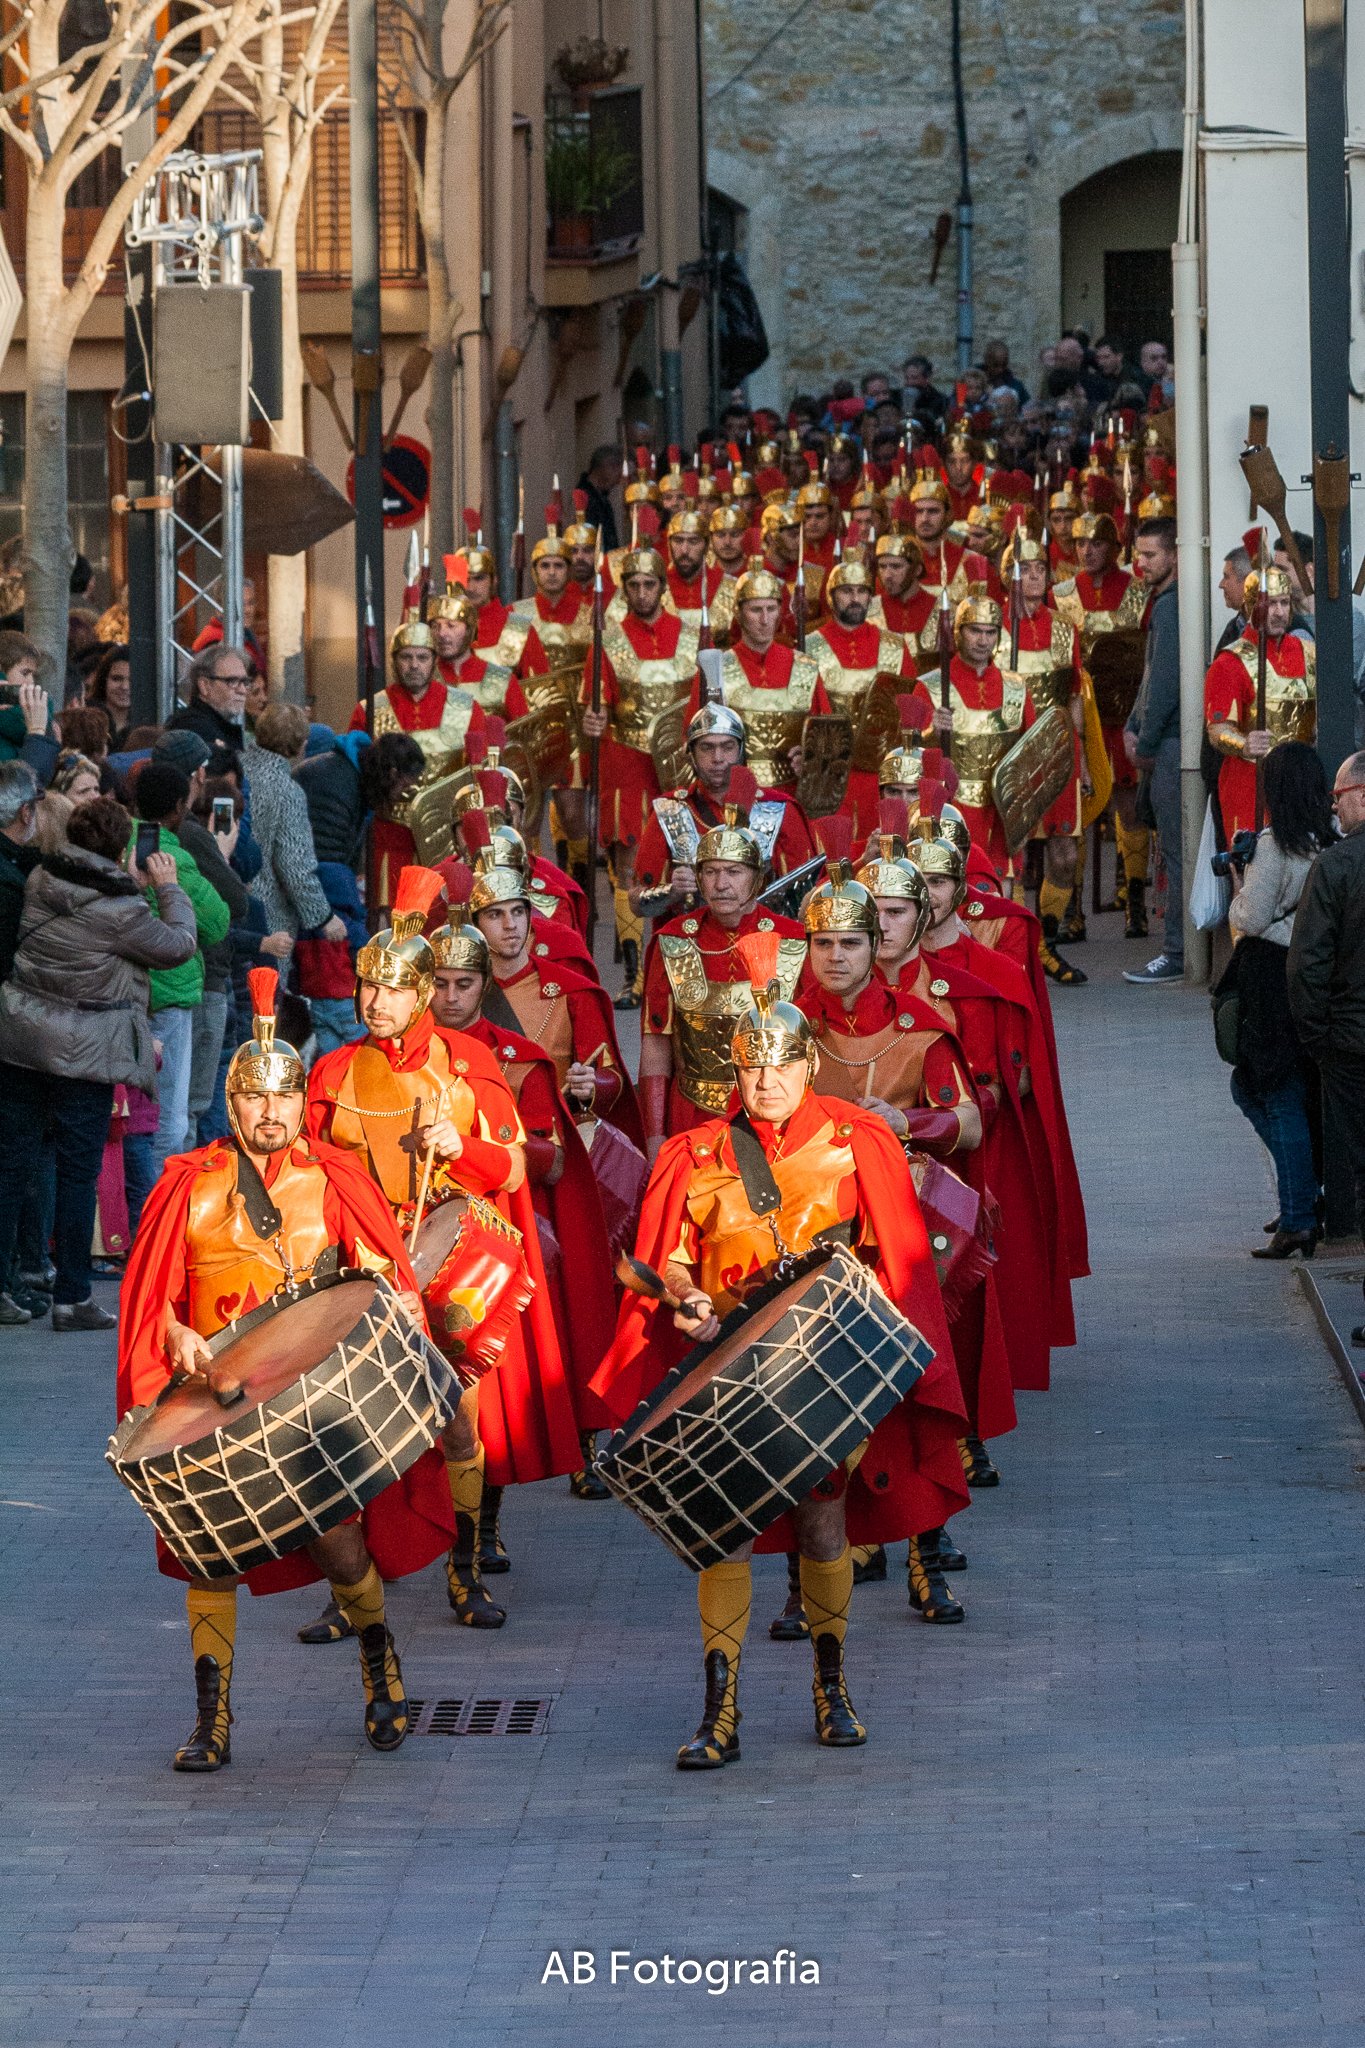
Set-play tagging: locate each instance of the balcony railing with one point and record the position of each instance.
(594, 174)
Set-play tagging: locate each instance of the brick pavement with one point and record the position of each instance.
(1118, 1807)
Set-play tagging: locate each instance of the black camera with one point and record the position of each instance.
(1238, 855)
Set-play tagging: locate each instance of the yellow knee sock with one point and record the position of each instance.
(724, 1593)
(1053, 899)
(464, 1476)
(213, 1625)
(629, 923)
(578, 852)
(363, 1603)
(827, 1590)
(1134, 849)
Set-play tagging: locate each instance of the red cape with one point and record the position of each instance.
(910, 1477)
(411, 1522)
(594, 1023)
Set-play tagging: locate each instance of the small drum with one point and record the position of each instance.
(960, 1225)
(471, 1268)
(799, 1377)
(620, 1170)
(340, 1396)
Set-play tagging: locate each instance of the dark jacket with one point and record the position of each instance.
(330, 783)
(599, 511)
(202, 847)
(76, 1000)
(210, 725)
(1156, 714)
(1327, 955)
(16, 865)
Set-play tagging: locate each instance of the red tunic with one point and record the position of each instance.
(572, 1019)
(493, 616)
(565, 611)
(794, 844)
(1230, 699)
(716, 945)
(907, 615)
(770, 670)
(526, 1414)
(1063, 818)
(910, 1477)
(407, 1525)
(472, 671)
(629, 784)
(577, 1259)
(960, 502)
(857, 648)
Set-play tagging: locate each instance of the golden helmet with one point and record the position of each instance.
(1095, 526)
(455, 608)
(813, 494)
(1022, 548)
(1064, 501)
(642, 561)
(400, 957)
(840, 904)
(901, 768)
(850, 574)
(413, 632)
(962, 442)
(497, 880)
(730, 841)
(580, 532)
(935, 856)
(985, 522)
(976, 609)
(929, 489)
(867, 498)
(1277, 584)
(716, 721)
(265, 1065)
(1156, 505)
(895, 875)
(689, 523)
(756, 583)
(729, 518)
(478, 561)
(672, 478)
(642, 489)
(462, 945)
(902, 544)
(771, 1033)
(742, 484)
(953, 827)
(778, 518)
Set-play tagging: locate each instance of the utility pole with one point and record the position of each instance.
(367, 364)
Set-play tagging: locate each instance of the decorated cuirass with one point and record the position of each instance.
(888, 1063)
(1113, 647)
(982, 738)
(646, 686)
(510, 644)
(443, 744)
(704, 1014)
(1291, 711)
(846, 687)
(490, 691)
(1048, 672)
(542, 1013)
(773, 719)
(383, 1114)
(1067, 603)
(738, 1247)
(230, 1269)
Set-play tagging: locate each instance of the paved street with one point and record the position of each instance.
(1120, 1806)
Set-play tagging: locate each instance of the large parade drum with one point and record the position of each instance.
(340, 1395)
(471, 1266)
(799, 1376)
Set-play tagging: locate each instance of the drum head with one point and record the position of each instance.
(268, 1357)
(436, 1239)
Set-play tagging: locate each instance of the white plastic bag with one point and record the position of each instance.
(1210, 894)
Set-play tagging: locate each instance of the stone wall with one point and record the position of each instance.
(839, 140)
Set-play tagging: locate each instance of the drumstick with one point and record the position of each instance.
(642, 1279)
(426, 1173)
(595, 1055)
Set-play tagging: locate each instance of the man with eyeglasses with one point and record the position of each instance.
(1327, 975)
(216, 683)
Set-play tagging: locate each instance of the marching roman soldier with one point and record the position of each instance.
(946, 561)
(473, 570)
(695, 985)
(1107, 605)
(578, 1265)
(852, 656)
(773, 688)
(819, 522)
(900, 602)
(226, 1228)
(454, 621)
(729, 549)
(665, 867)
(781, 559)
(961, 457)
(649, 659)
(866, 520)
(556, 625)
(440, 716)
(1230, 697)
(556, 939)
(489, 786)
(990, 711)
(1062, 509)
(694, 585)
(729, 1199)
(408, 1090)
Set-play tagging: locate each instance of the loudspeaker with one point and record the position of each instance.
(267, 343)
(202, 357)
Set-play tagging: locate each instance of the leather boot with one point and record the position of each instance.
(791, 1625)
(1135, 911)
(937, 1546)
(976, 1462)
(1071, 931)
(492, 1556)
(210, 1746)
(631, 993)
(386, 1705)
(716, 1741)
(331, 1626)
(1055, 967)
(465, 1590)
(836, 1724)
(930, 1594)
(585, 1484)
(869, 1565)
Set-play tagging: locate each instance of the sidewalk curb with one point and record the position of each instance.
(1350, 1363)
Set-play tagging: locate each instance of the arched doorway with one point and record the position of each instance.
(1117, 230)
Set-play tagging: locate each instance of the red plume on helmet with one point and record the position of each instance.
(893, 817)
(476, 748)
(834, 835)
(643, 460)
(742, 789)
(419, 889)
(733, 451)
(647, 521)
(553, 513)
(757, 953)
(1251, 541)
(473, 522)
(909, 713)
(493, 786)
(495, 731)
(263, 986)
(474, 830)
(580, 504)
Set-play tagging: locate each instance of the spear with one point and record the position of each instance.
(799, 597)
(945, 631)
(595, 744)
(1016, 610)
(1261, 620)
(519, 538)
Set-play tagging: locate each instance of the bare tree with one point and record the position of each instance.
(64, 111)
(418, 28)
(290, 94)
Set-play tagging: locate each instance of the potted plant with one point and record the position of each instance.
(588, 64)
(568, 189)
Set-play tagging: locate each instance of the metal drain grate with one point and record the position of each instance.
(479, 1717)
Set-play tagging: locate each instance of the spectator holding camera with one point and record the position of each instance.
(1327, 974)
(1272, 1078)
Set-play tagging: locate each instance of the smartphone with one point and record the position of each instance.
(9, 693)
(148, 842)
(224, 815)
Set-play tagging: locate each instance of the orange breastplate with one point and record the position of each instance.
(546, 1020)
(735, 1244)
(890, 1063)
(383, 1114)
(230, 1269)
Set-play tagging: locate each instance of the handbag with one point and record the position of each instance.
(1210, 894)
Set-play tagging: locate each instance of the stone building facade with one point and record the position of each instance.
(833, 150)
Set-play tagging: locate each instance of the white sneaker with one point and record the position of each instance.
(1158, 971)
